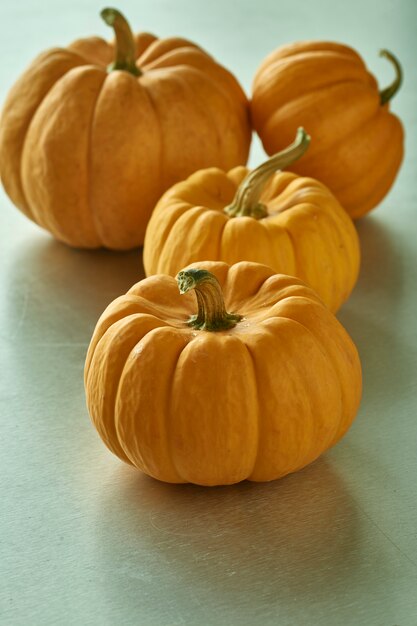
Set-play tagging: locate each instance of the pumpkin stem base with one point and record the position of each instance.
(211, 314)
(246, 201)
(386, 94)
(125, 54)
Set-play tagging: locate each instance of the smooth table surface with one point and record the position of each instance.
(87, 540)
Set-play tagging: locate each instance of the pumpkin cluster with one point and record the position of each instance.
(226, 363)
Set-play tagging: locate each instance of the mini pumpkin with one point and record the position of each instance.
(92, 135)
(292, 224)
(358, 141)
(251, 378)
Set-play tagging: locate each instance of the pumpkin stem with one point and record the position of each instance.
(211, 314)
(125, 44)
(387, 93)
(246, 200)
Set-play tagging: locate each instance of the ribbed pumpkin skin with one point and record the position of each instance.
(86, 154)
(256, 402)
(306, 233)
(357, 144)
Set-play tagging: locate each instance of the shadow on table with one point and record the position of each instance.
(380, 281)
(370, 316)
(56, 293)
(261, 539)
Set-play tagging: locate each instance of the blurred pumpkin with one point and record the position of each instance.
(92, 135)
(187, 391)
(358, 142)
(292, 224)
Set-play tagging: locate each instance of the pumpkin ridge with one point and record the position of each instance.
(143, 40)
(262, 91)
(93, 212)
(340, 224)
(154, 64)
(174, 209)
(257, 393)
(389, 153)
(202, 107)
(259, 126)
(210, 217)
(167, 44)
(108, 314)
(297, 266)
(270, 225)
(168, 417)
(178, 225)
(178, 210)
(232, 278)
(336, 139)
(292, 370)
(242, 107)
(87, 58)
(350, 132)
(291, 50)
(114, 330)
(339, 432)
(287, 61)
(230, 104)
(148, 92)
(381, 185)
(120, 440)
(327, 357)
(332, 249)
(59, 220)
(220, 240)
(31, 212)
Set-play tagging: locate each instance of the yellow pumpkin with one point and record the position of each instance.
(87, 145)
(250, 378)
(292, 224)
(358, 142)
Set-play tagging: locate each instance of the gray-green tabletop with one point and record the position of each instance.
(87, 540)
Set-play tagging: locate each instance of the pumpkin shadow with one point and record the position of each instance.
(269, 539)
(79, 283)
(370, 318)
(55, 295)
(381, 273)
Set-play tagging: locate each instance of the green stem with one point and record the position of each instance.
(387, 93)
(246, 201)
(125, 56)
(211, 313)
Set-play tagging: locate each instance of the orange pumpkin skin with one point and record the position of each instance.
(86, 153)
(255, 401)
(357, 146)
(305, 232)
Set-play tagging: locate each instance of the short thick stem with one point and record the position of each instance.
(211, 313)
(246, 201)
(125, 54)
(389, 92)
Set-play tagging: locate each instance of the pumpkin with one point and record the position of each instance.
(250, 378)
(92, 135)
(358, 142)
(292, 224)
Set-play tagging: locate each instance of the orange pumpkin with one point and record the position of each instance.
(358, 142)
(188, 392)
(292, 224)
(88, 146)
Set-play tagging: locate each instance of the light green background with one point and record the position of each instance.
(86, 540)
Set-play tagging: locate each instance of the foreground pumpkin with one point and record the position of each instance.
(92, 135)
(292, 224)
(214, 389)
(358, 142)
